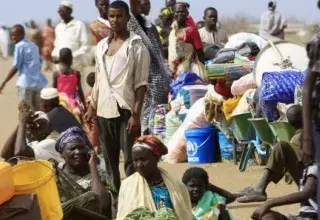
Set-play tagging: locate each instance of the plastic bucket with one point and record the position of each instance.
(6, 182)
(200, 145)
(38, 177)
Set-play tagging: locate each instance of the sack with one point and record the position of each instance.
(229, 105)
(188, 78)
(278, 87)
(190, 94)
(177, 151)
(226, 147)
(243, 105)
(240, 86)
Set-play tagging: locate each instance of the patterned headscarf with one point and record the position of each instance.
(71, 134)
(152, 143)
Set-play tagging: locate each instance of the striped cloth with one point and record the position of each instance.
(229, 70)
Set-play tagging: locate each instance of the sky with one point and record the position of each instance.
(19, 11)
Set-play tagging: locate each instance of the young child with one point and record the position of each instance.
(307, 196)
(206, 204)
(68, 83)
(93, 133)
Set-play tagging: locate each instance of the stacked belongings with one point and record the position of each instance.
(196, 118)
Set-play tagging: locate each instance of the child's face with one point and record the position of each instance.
(197, 188)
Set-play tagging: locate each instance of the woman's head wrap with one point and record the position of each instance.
(71, 134)
(152, 143)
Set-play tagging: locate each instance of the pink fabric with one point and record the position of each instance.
(67, 84)
(193, 37)
(190, 22)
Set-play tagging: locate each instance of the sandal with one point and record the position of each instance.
(253, 196)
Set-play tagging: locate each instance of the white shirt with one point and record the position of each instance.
(219, 36)
(114, 64)
(45, 150)
(74, 36)
(109, 92)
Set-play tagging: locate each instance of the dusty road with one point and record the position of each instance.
(225, 175)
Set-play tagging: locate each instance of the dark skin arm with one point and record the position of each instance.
(54, 79)
(80, 90)
(21, 147)
(201, 55)
(10, 75)
(309, 190)
(97, 186)
(134, 121)
(307, 117)
(224, 193)
(8, 148)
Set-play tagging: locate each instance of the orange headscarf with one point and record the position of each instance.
(153, 144)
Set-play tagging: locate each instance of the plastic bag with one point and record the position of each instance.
(177, 144)
(240, 86)
(226, 147)
(278, 87)
(188, 78)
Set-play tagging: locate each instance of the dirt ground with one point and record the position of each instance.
(225, 175)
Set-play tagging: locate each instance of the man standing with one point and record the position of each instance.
(4, 42)
(101, 27)
(272, 24)
(122, 71)
(72, 34)
(210, 34)
(28, 62)
(34, 34)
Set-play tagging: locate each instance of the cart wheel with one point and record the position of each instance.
(261, 161)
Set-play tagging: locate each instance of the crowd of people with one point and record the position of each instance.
(135, 60)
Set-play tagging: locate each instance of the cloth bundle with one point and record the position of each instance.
(278, 87)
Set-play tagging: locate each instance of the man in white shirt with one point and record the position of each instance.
(122, 71)
(4, 42)
(33, 138)
(272, 24)
(71, 33)
(211, 34)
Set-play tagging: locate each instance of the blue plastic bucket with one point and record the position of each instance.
(200, 145)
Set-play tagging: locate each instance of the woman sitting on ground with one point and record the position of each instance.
(80, 182)
(152, 189)
(206, 204)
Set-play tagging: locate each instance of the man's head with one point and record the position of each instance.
(144, 6)
(65, 10)
(210, 17)
(17, 33)
(170, 3)
(118, 16)
(49, 99)
(103, 7)
(39, 128)
(49, 22)
(181, 13)
(33, 24)
(294, 115)
(272, 5)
